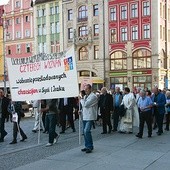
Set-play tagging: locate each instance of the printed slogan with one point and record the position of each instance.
(43, 76)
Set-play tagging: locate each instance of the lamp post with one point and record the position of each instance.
(5, 27)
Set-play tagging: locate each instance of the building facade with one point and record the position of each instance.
(138, 43)
(19, 29)
(84, 27)
(48, 26)
(1, 44)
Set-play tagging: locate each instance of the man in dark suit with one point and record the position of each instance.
(106, 107)
(117, 100)
(4, 102)
(66, 106)
(159, 102)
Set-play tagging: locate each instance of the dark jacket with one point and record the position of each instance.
(161, 101)
(5, 103)
(105, 103)
(71, 104)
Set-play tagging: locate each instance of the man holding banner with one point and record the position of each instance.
(89, 110)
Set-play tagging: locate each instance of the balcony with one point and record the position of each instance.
(84, 19)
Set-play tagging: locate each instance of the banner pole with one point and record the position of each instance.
(39, 119)
(79, 125)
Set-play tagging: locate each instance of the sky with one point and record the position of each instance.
(2, 2)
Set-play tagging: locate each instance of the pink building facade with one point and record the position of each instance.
(18, 16)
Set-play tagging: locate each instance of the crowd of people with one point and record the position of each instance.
(120, 111)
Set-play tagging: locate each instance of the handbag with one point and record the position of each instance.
(122, 110)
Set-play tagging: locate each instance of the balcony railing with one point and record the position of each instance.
(82, 19)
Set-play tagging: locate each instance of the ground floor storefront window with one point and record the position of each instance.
(118, 82)
(142, 81)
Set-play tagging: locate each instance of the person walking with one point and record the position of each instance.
(15, 108)
(145, 114)
(51, 110)
(106, 108)
(4, 102)
(89, 111)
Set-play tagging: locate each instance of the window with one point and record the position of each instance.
(95, 10)
(52, 10)
(96, 52)
(43, 29)
(9, 50)
(142, 81)
(83, 53)
(57, 9)
(134, 10)
(146, 8)
(70, 14)
(17, 20)
(124, 34)
(28, 48)
(82, 12)
(123, 12)
(57, 27)
(18, 48)
(43, 12)
(42, 47)
(146, 30)
(83, 31)
(96, 30)
(8, 22)
(27, 33)
(18, 34)
(119, 80)
(141, 59)
(39, 13)
(17, 4)
(39, 30)
(113, 14)
(27, 19)
(52, 28)
(118, 60)
(134, 33)
(113, 36)
(52, 47)
(160, 31)
(70, 33)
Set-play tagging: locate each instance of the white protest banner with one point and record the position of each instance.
(43, 76)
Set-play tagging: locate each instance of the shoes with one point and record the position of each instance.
(139, 136)
(159, 133)
(13, 142)
(104, 133)
(122, 132)
(49, 144)
(56, 139)
(84, 149)
(88, 150)
(114, 130)
(62, 132)
(130, 132)
(34, 131)
(167, 129)
(22, 140)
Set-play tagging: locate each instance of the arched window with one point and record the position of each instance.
(118, 60)
(163, 59)
(82, 12)
(83, 53)
(141, 59)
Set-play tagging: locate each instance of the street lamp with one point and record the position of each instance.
(5, 27)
